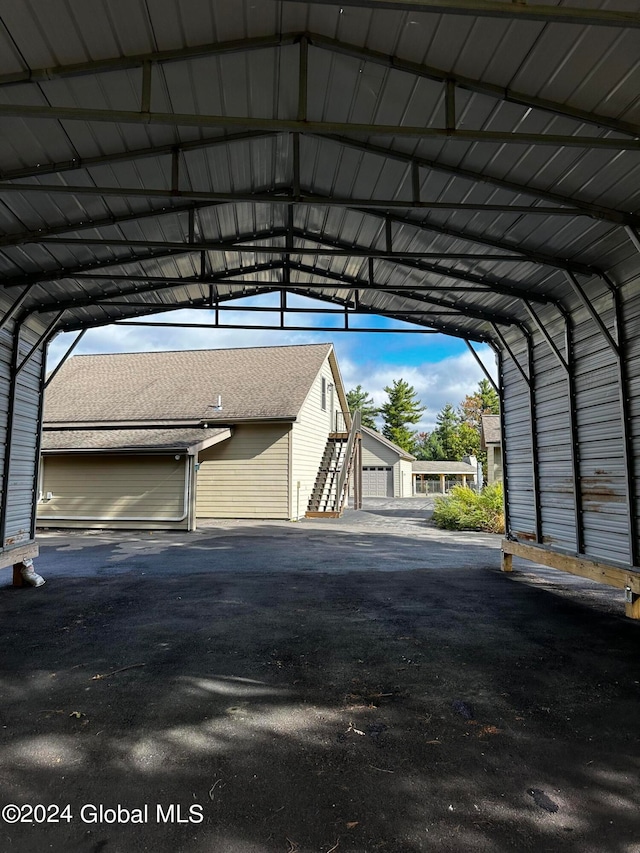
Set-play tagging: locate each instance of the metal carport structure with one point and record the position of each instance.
(470, 166)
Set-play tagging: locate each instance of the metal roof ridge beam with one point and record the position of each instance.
(319, 40)
(491, 89)
(595, 210)
(171, 119)
(287, 194)
(235, 245)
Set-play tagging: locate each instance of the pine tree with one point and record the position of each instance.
(402, 408)
(428, 447)
(446, 432)
(357, 398)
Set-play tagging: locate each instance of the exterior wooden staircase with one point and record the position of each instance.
(341, 458)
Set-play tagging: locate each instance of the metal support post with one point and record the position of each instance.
(44, 337)
(16, 306)
(534, 438)
(503, 433)
(567, 362)
(11, 403)
(627, 425)
(618, 348)
(530, 381)
(575, 437)
(36, 469)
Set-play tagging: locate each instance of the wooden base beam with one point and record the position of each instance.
(621, 578)
(14, 557)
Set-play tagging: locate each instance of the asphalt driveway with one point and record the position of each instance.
(364, 684)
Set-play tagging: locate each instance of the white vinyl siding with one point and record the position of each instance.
(247, 476)
(309, 438)
(494, 464)
(112, 489)
(375, 454)
(404, 474)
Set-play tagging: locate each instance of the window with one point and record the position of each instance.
(323, 402)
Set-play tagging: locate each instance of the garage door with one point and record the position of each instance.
(377, 482)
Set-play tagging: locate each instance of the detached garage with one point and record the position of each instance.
(386, 468)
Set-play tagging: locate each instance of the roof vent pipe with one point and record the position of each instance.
(218, 405)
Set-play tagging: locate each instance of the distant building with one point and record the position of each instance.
(386, 468)
(154, 440)
(436, 477)
(491, 441)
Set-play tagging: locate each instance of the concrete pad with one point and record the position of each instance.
(363, 684)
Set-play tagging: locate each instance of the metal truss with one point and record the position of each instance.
(146, 63)
(413, 162)
(280, 125)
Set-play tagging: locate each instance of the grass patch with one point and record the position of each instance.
(464, 509)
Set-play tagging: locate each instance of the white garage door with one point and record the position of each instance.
(377, 482)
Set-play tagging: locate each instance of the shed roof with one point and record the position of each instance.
(490, 430)
(254, 383)
(423, 467)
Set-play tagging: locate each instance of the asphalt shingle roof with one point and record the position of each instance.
(126, 439)
(423, 467)
(254, 383)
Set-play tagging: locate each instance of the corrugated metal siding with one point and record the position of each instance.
(247, 476)
(555, 469)
(602, 469)
(630, 295)
(23, 437)
(309, 436)
(518, 451)
(110, 489)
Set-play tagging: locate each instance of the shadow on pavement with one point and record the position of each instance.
(300, 708)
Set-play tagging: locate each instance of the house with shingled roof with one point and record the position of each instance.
(491, 441)
(156, 440)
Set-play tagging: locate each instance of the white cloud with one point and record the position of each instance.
(125, 338)
(436, 382)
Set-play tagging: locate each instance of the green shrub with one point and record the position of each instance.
(464, 509)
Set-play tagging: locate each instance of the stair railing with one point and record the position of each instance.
(354, 434)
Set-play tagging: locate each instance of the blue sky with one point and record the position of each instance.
(440, 368)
